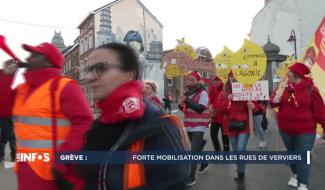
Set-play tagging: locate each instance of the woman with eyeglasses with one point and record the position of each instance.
(130, 123)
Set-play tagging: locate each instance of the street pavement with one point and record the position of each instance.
(220, 176)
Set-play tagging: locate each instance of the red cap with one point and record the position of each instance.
(51, 52)
(300, 69)
(196, 75)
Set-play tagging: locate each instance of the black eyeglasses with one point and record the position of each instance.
(100, 68)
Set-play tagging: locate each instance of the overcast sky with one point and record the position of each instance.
(209, 23)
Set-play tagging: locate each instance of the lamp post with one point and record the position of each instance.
(293, 39)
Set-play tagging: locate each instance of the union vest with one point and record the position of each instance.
(33, 125)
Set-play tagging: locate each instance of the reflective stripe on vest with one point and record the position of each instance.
(33, 124)
(134, 174)
(194, 119)
(41, 121)
(37, 143)
(197, 120)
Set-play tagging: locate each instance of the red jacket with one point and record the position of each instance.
(301, 118)
(155, 100)
(214, 91)
(6, 96)
(220, 107)
(236, 110)
(219, 116)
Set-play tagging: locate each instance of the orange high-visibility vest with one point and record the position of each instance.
(134, 174)
(33, 124)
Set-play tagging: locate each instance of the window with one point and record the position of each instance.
(90, 37)
(69, 64)
(86, 43)
(169, 81)
(82, 73)
(86, 62)
(81, 46)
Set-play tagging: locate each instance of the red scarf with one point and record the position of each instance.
(38, 77)
(124, 103)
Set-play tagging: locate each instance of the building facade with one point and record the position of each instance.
(58, 41)
(122, 21)
(279, 17)
(71, 62)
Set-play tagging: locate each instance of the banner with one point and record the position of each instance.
(249, 63)
(258, 91)
(223, 63)
(183, 157)
(314, 57)
(320, 45)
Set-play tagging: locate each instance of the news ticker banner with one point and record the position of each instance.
(211, 157)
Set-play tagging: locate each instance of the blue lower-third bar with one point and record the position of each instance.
(167, 157)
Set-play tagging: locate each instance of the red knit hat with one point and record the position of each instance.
(230, 74)
(216, 78)
(299, 69)
(196, 75)
(51, 52)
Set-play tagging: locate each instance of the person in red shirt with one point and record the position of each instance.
(43, 66)
(150, 91)
(235, 112)
(300, 108)
(6, 125)
(217, 116)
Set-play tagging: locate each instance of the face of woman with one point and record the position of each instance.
(192, 81)
(231, 79)
(148, 91)
(104, 73)
(291, 77)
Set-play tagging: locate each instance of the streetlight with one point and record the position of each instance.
(293, 39)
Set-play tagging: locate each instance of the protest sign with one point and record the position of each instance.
(258, 91)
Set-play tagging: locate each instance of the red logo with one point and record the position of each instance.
(130, 105)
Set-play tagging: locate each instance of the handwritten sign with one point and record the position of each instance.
(258, 91)
(249, 63)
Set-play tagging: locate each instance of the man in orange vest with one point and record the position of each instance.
(51, 114)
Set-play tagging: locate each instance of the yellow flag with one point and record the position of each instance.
(223, 63)
(249, 63)
(182, 46)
